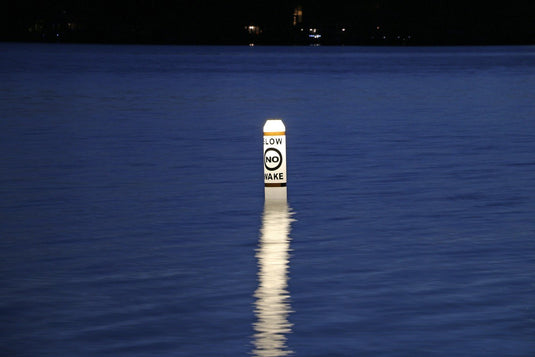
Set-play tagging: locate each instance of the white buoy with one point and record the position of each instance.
(275, 160)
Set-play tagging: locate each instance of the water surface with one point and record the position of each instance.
(132, 214)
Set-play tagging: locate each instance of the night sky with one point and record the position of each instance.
(366, 22)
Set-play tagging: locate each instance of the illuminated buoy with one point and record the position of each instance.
(275, 160)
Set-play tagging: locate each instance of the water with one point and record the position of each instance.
(133, 219)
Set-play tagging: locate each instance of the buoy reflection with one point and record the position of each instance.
(272, 305)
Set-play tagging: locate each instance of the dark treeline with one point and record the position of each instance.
(367, 22)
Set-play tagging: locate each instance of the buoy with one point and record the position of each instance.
(275, 160)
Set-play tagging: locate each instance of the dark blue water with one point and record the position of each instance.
(132, 218)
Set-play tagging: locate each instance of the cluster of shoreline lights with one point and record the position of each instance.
(297, 19)
(313, 32)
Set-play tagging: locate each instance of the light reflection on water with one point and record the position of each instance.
(272, 305)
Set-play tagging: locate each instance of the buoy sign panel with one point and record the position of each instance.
(274, 159)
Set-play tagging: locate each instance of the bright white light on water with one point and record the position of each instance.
(272, 306)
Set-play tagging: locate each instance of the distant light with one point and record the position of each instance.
(378, 27)
(315, 36)
(253, 29)
(343, 30)
(251, 45)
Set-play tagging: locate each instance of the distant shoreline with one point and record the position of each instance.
(304, 22)
(266, 45)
